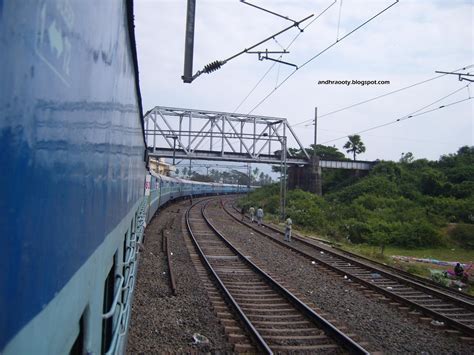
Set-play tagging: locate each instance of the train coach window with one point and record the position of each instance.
(107, 324)
(125, 245)
(78, 346)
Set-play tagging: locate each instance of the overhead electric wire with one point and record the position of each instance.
(379, 97)
(266, 10)
(339, 21)
(413, 114)
(321, 52)
(274, 63)
(217, 64)
(288, 46)
(255, 87)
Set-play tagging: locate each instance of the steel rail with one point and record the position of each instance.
(258, 339)
(335, 334)
(440, 317)
(427, 282)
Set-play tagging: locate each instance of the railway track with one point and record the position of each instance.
(273, 318)
(452, 309)
(325, 245)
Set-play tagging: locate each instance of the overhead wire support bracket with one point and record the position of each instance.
(266, 51)
(213, 66)
(264, 55)
(270, 12)
(461, 76)
(278, 61)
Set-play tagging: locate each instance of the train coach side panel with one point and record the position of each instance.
(72, 144)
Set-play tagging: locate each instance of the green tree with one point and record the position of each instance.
(326, 152)
(354, 145)
(323, 152)
(381, 239)
(255, 174)
(198, 177)
(407, 158)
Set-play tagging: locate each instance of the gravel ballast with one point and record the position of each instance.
(161, 322)
(384, 327)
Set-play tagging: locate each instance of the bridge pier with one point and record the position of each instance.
(306, 177)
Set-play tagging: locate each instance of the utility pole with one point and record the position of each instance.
(315, 167)
(315, 128)
(248, 172)
(189, 42)
(174, 150)
(283, 179)
(174, 137)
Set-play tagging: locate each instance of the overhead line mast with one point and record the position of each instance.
(189, 42)
(188, 77)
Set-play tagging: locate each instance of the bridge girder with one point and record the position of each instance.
(189, 130)
(229, 137)
(263, 159)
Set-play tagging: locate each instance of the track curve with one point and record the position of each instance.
(451, 309)
(275, 319)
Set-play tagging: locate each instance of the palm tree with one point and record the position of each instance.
(354, 145)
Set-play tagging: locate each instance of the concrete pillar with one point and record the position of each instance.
(315, 177)
(307, 178)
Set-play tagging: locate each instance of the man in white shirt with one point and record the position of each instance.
(288, 224)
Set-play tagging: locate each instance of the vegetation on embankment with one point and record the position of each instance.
(408, 204)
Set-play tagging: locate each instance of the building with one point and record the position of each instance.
(159, 166)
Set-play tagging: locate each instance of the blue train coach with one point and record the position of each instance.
(75, 193)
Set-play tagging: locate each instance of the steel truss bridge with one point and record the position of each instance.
(208, 135)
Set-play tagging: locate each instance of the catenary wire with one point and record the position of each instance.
(320, 53)
(273, 64)
(380, 96)
(287, 47)
(411, 115)
(339, 21)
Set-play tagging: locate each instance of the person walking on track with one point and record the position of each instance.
(259, 216)
(252, 213)
(288, 224)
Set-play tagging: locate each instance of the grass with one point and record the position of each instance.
(455, 253)
(445, 254)
(421, 269)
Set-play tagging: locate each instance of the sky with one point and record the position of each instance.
(404, 45)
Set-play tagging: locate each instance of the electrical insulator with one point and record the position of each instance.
(212, 66)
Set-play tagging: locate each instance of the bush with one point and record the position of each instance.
(464, 235)
(267, 197)
(404, 204)
(450, 208)
(307, 210)
(375, 185)
(417, 234)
